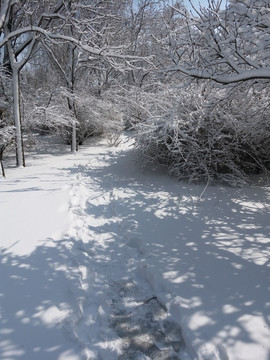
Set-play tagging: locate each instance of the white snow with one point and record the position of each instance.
(99, 260)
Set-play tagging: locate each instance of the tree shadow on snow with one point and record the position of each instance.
(213, 251)
(35, 298)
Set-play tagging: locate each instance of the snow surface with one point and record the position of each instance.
(100, 260)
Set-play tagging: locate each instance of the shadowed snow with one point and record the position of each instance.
(101, 261)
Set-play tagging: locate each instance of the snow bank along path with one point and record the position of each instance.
(101, 261)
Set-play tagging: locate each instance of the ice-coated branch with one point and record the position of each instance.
(106, 52)
(226, 46)
(263, 73)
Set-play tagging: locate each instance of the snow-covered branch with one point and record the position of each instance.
(209, 136)
(226, 46)
(262, 73)
(106, 52)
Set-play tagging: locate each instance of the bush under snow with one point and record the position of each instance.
(206, 143)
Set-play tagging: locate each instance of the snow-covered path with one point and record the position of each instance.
(102, 261)
(119, 313)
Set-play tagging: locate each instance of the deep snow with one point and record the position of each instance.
(100, 260)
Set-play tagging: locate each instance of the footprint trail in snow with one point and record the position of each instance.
(118, 312)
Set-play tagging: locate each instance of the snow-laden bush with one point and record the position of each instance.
(206, 143)
(7, 136)
(92, 115)
(151, 100)
(96, 116)
(7, 131)
(46, 112)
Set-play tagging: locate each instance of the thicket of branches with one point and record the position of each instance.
(85, 44)
(218, 128)
(208, 140)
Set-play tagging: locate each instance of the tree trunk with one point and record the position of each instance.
(1, 161)
(2, 169)
(70, 85)
(74, 137)
(17, 118)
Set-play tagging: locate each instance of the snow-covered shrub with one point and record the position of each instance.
(113, 138)
(202, 142)
(7, 133)
(87, 124)
(113, 125)
(148, 101)
(93, 116)
(46, 112)
(7, 136)
(96, 116)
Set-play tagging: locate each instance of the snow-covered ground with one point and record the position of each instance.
(100, 260)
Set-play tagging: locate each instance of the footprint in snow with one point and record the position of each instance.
(135, 243)
(142, 322)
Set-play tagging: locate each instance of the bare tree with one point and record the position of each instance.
(206, 118)
(24, 23)
(17, 49)
(6, 128)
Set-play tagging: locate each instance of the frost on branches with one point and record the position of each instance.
(216, 129)
(93, 115)
(91, 37)
(203, 139)
(226, 46)
(6, 129)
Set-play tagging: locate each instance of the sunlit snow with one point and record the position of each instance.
(100, 260)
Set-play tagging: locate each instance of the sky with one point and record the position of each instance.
(197, 3)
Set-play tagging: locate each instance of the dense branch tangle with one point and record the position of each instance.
(86, 27)
(226, 46)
